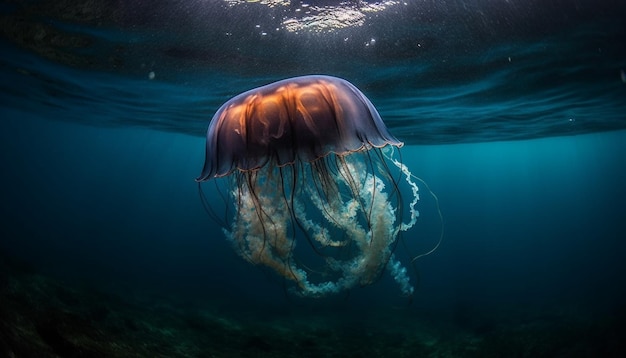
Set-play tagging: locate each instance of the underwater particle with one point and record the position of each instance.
(622, 74)
(151, 75)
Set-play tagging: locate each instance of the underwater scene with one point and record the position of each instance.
(313, 178)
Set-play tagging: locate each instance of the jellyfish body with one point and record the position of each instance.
(309, 158)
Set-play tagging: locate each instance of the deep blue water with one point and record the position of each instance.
(514, 113)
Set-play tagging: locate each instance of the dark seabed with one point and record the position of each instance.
(513, 112)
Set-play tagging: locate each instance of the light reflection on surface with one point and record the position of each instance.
(305, 16)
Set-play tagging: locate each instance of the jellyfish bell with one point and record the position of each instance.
(309, 158)
(298, 119)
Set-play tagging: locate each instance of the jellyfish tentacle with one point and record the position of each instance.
(414, 189)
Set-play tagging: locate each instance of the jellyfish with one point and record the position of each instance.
(308, 167)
